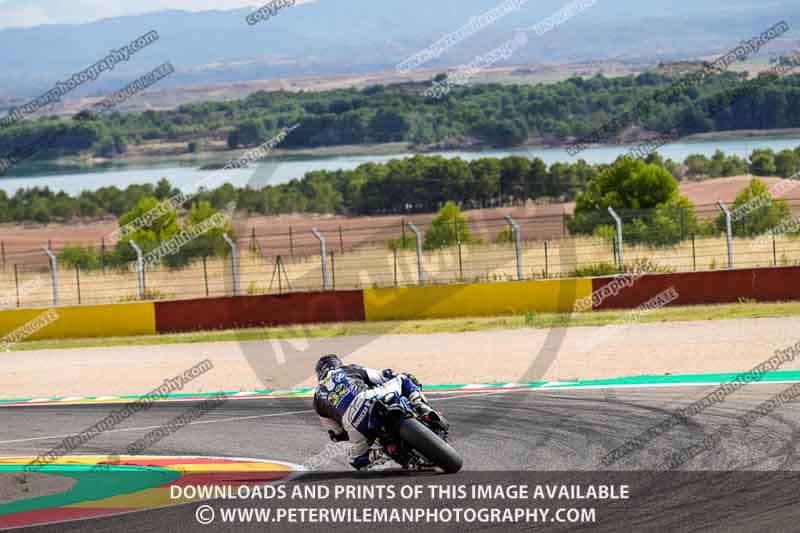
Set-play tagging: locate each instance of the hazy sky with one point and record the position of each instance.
(16, 13)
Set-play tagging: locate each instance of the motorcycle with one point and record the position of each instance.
(414, 441)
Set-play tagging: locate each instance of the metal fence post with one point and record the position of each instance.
(460, 263)
(614, 250)
(53, 272)
(517, 245)
(774, 250)
(420, 270)
(78, 282)
(333, 272)
(618, 222)
(3, 249)
(139, 267)
(16, 281)
(323, 251)
(729, 232)
(205, 274)
(234, 263)
(546, 273)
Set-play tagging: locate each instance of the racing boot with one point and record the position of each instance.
(419, 403)
(426, 412)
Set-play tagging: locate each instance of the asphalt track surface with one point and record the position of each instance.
(555, 431)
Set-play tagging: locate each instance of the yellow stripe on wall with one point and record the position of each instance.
(480, 299)
(114, 320)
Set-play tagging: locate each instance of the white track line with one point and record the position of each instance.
(455, 397)
(239, 418)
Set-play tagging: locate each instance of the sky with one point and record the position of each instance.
(26, 13)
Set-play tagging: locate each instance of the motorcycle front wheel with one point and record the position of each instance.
(426, 442)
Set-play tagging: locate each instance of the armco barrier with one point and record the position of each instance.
(698, 288)
(480, 299)
(113, 320)
(256, 311)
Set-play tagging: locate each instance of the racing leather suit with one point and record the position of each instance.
(344, 398)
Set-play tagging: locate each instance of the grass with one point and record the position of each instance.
(452, 325)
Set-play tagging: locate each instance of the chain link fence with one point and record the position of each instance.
(290, 260)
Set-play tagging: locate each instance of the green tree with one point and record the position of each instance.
(150, 235)
(787, 163)
(755, 211)
(486, 176)
(204, 227)
(645, 196)
(448, 228)
(514, 171)
(164, 189)
(762, 163)
(40, 211)
(698, 165)
(249, 133)
(74, 256)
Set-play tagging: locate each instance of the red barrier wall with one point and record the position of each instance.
(256, 311)
(697, 288)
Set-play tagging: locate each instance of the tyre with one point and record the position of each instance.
(430, 445)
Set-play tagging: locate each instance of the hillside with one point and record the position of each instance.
(307, 39)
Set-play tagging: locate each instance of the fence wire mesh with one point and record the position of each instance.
(288, 260)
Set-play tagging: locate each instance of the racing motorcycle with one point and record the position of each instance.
(414, 441)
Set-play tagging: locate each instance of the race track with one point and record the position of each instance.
(564, 431)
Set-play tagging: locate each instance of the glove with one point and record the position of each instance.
(338, 437)
(388, 374)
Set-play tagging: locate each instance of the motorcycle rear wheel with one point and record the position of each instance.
(426, 442)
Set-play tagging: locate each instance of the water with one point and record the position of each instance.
(283, 170)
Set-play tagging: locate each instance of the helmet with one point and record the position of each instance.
(327, 363)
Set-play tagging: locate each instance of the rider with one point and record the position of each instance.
(344, 397)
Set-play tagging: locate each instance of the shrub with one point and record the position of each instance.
(83, 257)
(448, 228)
(755, 211)
(646, 198)
(402, 243)
(506, 236)
(149, 294)
(594, 270)
(609, 269)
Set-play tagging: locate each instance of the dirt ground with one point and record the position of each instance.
(18, 486)
(22, 242)
(474, 357)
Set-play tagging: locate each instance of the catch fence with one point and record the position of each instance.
(480, 249)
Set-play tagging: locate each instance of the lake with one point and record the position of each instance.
(274, 171)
